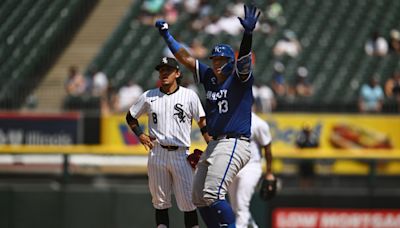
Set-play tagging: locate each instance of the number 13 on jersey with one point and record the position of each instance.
(223, 106)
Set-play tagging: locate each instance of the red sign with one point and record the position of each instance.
(335, 218)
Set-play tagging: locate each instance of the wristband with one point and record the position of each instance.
(137, 130)
(203, 130)
(173, 45)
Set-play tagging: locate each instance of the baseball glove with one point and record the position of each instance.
(194, 158)
(268, 189)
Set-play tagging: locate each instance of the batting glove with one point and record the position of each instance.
(250, 19)
(162, 27)
(194, 158)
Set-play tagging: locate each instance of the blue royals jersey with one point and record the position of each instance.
(228, 105)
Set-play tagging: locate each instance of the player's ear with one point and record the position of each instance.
(178, 77)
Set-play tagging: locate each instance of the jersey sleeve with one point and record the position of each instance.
(248, 82)
(201, 72)
(139, 107)
(262, 133)
(244, 67)
(197, 108)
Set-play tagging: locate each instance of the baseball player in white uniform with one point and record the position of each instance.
(243, 186)
(171, 110)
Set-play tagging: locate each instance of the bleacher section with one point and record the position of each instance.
(133, 49)
(332, 33)
(32, 35)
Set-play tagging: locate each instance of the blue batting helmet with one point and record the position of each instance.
(223, 50)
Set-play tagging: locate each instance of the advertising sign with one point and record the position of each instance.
(330, 218)
(333, 131)
(337, 131)
(39, 129)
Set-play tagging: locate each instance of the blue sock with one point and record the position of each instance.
(209, 217)
(224, 213)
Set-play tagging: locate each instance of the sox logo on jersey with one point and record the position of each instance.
(180, 113)
(168, 114)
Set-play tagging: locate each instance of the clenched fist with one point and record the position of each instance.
(162, 26)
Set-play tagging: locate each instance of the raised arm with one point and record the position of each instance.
(180, 53)
(249, 23)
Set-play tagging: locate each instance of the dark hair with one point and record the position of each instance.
(179, 79)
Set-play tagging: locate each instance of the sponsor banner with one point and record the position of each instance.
(337, 131)
(115, 131)
(39, 129)
(333, 131)
(332, 218)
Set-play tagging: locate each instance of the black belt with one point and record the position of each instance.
(230, 136)
(171, 148)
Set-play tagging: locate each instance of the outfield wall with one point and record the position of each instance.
(120, 206)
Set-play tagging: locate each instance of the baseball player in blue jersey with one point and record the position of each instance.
(228, 85)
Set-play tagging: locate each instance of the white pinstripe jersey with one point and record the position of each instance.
(170, 115)
(260, 137)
